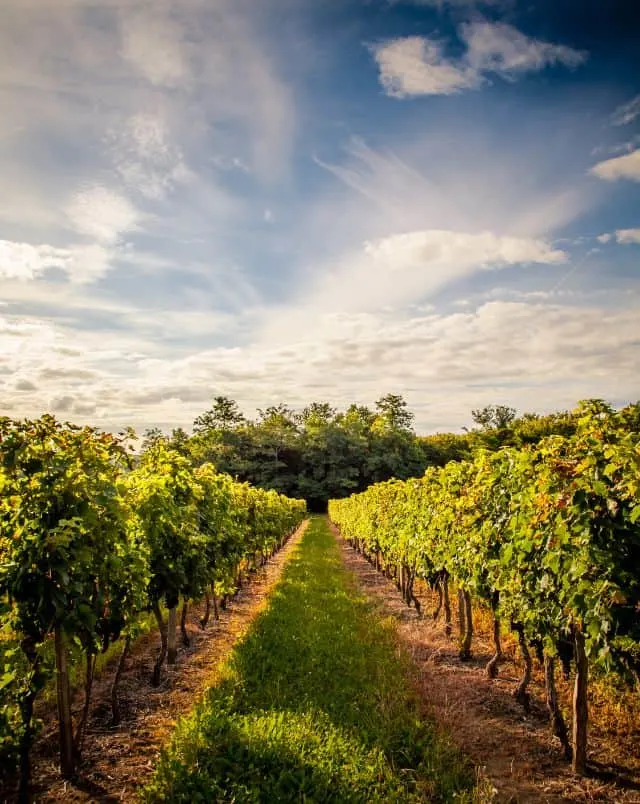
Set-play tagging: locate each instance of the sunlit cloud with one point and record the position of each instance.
(620, 167)
(417, 65)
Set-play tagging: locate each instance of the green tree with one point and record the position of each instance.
(224, 414)
(494, 417)
(151, 436)
(179, 440)
(317, 414)
(393, 413)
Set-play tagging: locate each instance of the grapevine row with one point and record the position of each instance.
(90, 540)
(547, 536)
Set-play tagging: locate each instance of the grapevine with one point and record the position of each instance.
(548, 536)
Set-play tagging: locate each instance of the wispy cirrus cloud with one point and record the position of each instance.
(626, 113)
(147, 157)
(417, 65)
(154, 43)
(102, 214)
(502, 49)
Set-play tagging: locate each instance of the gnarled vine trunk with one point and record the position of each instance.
(558, 726)
(461, 616)
(412, 597)
(157, 668)
(438, 590)
(466, 625)
(520, 693)
(116, 716)
(90, 669)
(207, 610)
(26, 738)
(580, 706)
(65, 723)
(183, 623)
(172, 649)
(492, 664)
(447, 605)
(27, 702)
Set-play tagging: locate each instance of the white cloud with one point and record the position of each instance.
(454, 248)
(618, 148)
(620, 167)
(512, 352)
(501, 48)
(626, 113)
(399, 270)
(169, 84)
(88, 263)
(604, 238)
(154, 44)
(628, 235)
(102, 214)
(145, 157)
(454, 180)
(24, 261)
(416, 65)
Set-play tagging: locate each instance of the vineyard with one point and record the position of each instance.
(90, 542)
(315, 705)
(102, 549)
(547, 537)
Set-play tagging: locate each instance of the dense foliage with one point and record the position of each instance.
(321, 453)
(88, 542)
(548, 535)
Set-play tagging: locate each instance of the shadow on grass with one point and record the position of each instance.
(314, 706)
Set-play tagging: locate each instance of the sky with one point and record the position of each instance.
(285, 201)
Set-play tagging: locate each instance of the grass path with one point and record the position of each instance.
(313, 705)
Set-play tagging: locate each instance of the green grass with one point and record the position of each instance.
(314, 706)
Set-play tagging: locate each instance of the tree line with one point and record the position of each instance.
(322, 453)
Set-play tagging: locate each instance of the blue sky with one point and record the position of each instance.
(289, 201)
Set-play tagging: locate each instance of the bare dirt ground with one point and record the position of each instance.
(513, 752)
(118, 761)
